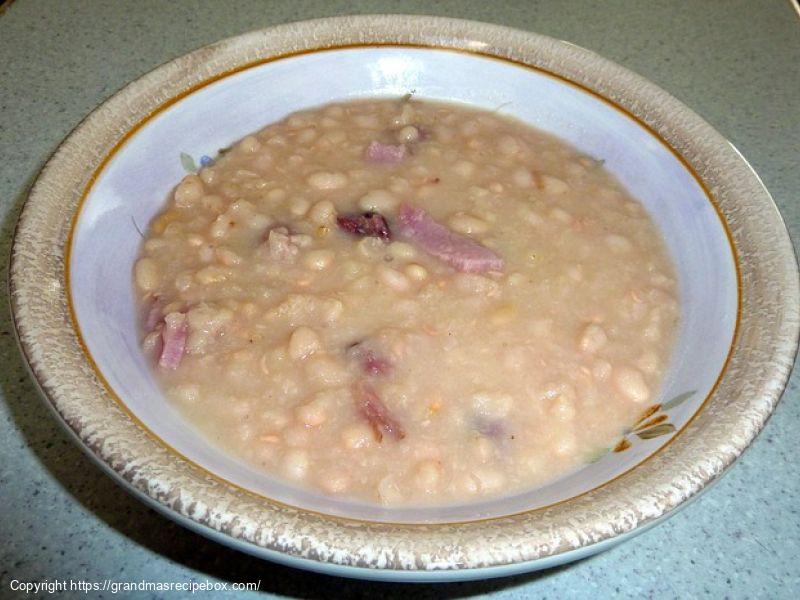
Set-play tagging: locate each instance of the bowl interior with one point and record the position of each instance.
(134, 183)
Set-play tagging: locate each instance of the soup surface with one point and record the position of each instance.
(407, 302)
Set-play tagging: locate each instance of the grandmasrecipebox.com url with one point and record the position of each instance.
(58, 586)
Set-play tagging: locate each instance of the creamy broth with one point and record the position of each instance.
(407, 302)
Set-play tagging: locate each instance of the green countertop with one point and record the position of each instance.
(736, 63)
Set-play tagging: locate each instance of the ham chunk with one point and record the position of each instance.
(366, 224)
(280, 244)
(174, 340)
(458, 251)
(371, 362)
(388, 154)
(374, 411)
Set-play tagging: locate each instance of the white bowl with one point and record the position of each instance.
(74, 303)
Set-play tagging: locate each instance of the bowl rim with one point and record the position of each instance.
(309, 539)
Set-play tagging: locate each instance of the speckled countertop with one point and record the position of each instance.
(737, 63)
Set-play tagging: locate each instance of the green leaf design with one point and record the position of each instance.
(593, 458)
(677, 401)
(188, 163)
(657, 431)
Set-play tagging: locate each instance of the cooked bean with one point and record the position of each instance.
(631, 383)
(401, 251)
(319, 260)
(325, 180)
(393, 279)
(303, 343)
(147, 274)
(296, 464)
(323, 213)
(466, 223)
(189, 191)
(408, 134)
(416, 272)
(380, 201)
(593, 338)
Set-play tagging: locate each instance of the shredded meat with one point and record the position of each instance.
(370, 407)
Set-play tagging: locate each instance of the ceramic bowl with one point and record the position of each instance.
(73, 299)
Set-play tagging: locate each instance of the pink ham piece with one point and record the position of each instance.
(388, 154)
(375, 365)
(458, 251)
(370, 361)
(366, 224)
(370, 407)
(173, 336)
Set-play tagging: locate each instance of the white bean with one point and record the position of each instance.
(381, 201)
(492, 405)
(326, 371)
(561, 215)
(314, 413)
(323, 213)
(299, 206)
(327, 180)
(319, 260)
(483, 448)
(297, 436)
(211, 274)
(563, 408)
(427, 475)
(618, 243)
(371, 247)
(208, 175)
(601, 369)
(508, 145)
(306, 136)
(522, 177)
(489, 479)
(554, 185)
(464, 168)
(357, 436)
(228, 257)
(408, 134)
(206, 253)
(405, 117)
(303, 342)
(296, 464)
(189, 191)
(183, 281)
(566, 444)
(631, 383)
(213, 203)
(334, 482)
(187, 393)
(249, 145)
(466, 223)
(592, 339)
(416, 272)
(330, 310)
(393, 279)
(276, 195)
(389, 490)
(367, 121)
(401, 251)
(147, 274)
